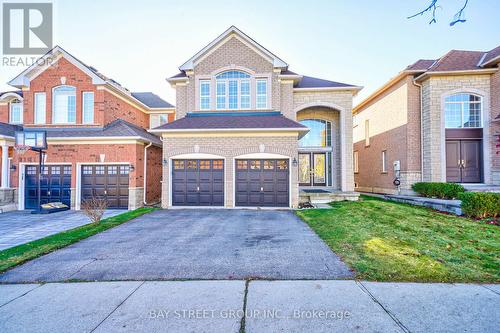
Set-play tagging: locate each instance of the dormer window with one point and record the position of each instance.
(16, 112)
(233, 90)
(64, 105)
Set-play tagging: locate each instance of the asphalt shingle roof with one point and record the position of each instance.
(492, 54)
(117, 128)
(232, 122)
(313, 82)
(151, 100)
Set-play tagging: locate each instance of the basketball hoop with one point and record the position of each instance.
(21, 149)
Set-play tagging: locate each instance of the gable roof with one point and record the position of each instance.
(152, 100)
(98, 78)
(277, 62)
(491, 57)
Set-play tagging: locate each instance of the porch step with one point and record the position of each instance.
(482, 188)
(323, 196)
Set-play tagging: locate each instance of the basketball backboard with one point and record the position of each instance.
(36, 140)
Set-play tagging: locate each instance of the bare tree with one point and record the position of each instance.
(434, 5)
(94, 208)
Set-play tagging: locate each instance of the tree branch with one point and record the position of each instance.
(434, 5)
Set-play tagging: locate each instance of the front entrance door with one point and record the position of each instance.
(463, 161)
(312, 169)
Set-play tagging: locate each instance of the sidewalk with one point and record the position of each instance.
(270, 306)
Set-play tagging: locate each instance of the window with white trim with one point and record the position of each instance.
(40, 107)
(88, 107)
(463, 111)
(384, 161)
(64, 105)
(233, 90)
(205, 95)
(367, 132)
(158, 119)
(16, 112)
(261, 96)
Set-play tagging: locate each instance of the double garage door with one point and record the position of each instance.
(104, 181)
(258, 183)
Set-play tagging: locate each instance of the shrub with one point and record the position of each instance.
(94, 208)
(480, 204)
(438, 190)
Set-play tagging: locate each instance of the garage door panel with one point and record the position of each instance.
(55, 185)
(200, 182)
(264, 183)
(106, 181)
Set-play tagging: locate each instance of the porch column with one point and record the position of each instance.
(5, 167)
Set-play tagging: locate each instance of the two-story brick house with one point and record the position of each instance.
(98, 143)
(250, 133)
(439, 119)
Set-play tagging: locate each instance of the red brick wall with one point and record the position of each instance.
(4, 113)
(154, 175)
(72, 154)
(113, 108)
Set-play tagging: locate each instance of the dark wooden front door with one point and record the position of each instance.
(262, 183)
(106, 181)
(55, 185)
(463, 161)
(312, 169)
(198, 183)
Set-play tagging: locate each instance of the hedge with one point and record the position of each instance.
(480, 204)
(438, 190)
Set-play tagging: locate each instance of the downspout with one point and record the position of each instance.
(421, 131)
(146, 171)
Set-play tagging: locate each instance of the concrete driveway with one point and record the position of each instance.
(19, 227)
(192, 244)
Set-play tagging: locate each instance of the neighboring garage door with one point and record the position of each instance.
(198, 183)
(55, 185)
(262, 183)
(106, 181)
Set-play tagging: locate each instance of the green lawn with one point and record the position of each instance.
(22, 253)
(388, 241)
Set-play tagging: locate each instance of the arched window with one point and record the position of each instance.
(319, 135)
(232, 90)
(16, 112)
(463, 111)
(64, 105)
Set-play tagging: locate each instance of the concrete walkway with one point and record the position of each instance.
(255, 306)
(19, 227)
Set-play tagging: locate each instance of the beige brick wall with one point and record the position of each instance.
(229, 148)
(433, 93)
(334, 117)
(495, 128)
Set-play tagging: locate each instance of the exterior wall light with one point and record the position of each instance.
(132, 168)
(294, 162)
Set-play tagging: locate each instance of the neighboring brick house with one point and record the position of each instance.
(439, 119)
(98, 143)
(251, 133)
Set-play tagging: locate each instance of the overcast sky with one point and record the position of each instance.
(366, 42)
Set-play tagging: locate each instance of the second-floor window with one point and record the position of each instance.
(463, 111)
(16, 112)
(88, 107)
(205, 95)
(40, 108)
(158, 119)
(261, 94)
(64, 105)
(233, 90)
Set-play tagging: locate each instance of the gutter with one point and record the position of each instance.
(146, 171)
(421, 131)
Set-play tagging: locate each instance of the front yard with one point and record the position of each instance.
(387, 241)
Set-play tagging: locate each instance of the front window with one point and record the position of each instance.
(463, 111)
(40, 99)
(88, 107)
(319, 135)
(16, 112)
(205, 95)
(158, 119)
(261, 94)
(64, 105)
(233, 90)
(384, 161)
